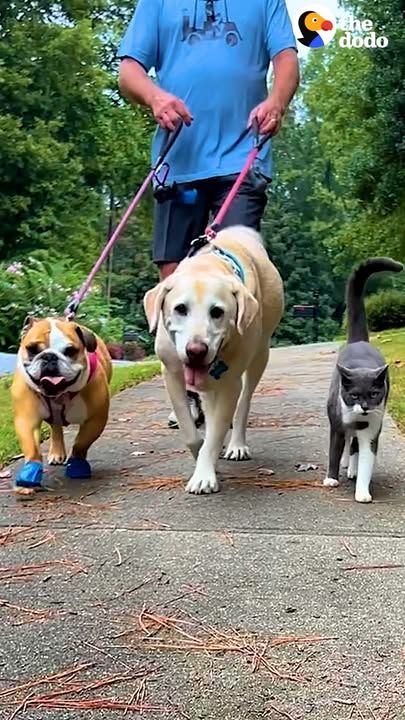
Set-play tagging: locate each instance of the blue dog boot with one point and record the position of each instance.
(30, 475)
(78, 469)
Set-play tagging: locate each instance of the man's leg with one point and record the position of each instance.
(250, 203)
(176, 225)
(166, 269)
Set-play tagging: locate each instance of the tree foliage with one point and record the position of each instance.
(73, 153)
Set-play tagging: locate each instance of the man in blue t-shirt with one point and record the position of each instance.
(211, 59)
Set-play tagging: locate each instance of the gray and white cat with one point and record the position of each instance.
(359, 390)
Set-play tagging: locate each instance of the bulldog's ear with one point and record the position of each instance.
(247, 308)
(28, 323)
(153, 303)
(88, 339)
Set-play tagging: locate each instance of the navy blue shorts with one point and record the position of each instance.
(178, 222)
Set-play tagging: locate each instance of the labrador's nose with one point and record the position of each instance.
(196, 351)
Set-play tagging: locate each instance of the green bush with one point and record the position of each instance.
(386, 309)
(42, 287)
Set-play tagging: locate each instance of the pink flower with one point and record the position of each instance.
(16, 268)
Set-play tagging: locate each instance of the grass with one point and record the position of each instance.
(392, 345)
(123, 377)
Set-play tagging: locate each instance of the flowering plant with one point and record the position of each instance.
(43, 286)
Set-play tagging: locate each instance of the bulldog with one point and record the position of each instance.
(62, 377)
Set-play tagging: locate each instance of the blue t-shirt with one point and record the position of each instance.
(214, 56)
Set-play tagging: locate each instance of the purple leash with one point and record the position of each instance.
(73, 306)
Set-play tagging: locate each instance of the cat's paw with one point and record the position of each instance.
(330, 482)
(363, 497)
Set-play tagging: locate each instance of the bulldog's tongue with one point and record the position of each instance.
(194, 377)
(54, 379)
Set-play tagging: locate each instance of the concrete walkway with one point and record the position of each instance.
(274, 599)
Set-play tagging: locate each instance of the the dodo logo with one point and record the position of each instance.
(314, 27)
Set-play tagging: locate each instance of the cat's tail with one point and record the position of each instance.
(356, 314)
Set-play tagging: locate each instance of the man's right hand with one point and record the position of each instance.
(167, 109)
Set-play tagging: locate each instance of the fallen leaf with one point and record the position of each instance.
(304, 467)
(265, 471)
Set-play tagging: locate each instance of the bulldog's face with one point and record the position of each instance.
(53, 355)
(200, 314)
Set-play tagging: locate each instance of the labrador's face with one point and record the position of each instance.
(200, 314)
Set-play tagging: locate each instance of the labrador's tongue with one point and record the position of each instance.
(194, 377)
(54, 379)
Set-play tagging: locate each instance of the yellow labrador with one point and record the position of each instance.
(215, 316)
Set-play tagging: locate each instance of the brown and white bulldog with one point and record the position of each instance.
(62, 376)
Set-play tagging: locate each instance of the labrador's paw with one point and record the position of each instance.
(235, 451)
(202, 483)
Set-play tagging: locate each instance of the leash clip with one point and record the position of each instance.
(71, 310)
(197, 244)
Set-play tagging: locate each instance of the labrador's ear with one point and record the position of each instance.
(248, 308)
(28, 323)
(88, 339)
(153, 303)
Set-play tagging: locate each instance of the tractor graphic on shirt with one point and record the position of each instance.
(214, 27)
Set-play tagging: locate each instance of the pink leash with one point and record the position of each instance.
(212, 229)
(73, 306)
(210, 232)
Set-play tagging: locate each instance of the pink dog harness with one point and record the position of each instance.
(57, 406)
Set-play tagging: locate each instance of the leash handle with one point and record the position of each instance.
(168, 142)
(260, 140)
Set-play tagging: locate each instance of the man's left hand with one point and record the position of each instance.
(268, 115)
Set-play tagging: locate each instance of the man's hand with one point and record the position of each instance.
(167, 109)
(268, 116)
(138, 87)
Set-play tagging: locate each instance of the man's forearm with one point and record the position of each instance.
(286, 77)
(135, 83)
(138, 87)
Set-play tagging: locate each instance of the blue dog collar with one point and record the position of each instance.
(229, 257)
(233, 261)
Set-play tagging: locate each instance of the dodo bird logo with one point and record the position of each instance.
(315, 27)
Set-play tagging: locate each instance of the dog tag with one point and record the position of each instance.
(218, 369)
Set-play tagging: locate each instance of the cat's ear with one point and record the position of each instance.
(345, 375)
(380, 375)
